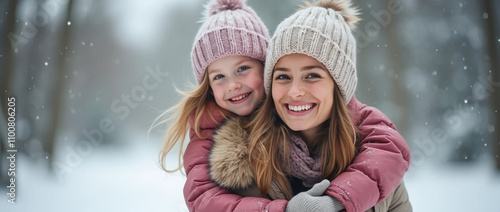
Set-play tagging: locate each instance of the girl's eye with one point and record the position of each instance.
(243, 68)
(282, 77)
(218, 76)
(311, 76)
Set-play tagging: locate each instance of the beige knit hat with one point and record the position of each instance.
(321, 31)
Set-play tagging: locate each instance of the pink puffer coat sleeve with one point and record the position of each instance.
(200, 193)
(382, 160)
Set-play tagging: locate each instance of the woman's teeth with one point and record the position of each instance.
(239, 97)
(299, 108)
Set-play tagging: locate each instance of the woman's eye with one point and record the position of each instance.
(218, 76)
(281, 77)
(243, 68)
(311, 76)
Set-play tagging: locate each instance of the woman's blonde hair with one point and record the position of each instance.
(193, 105)
(269, 136)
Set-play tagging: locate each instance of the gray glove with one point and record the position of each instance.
(314, 200)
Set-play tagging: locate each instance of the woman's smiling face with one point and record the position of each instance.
(302, 91)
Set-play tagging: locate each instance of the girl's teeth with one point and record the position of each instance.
(299, 108)
(239, 97)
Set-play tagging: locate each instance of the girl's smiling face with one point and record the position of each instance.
(237, 83)
(302, 91)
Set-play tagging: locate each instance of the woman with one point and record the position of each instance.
(312, 58)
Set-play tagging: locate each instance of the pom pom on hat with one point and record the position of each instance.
(218, 6)
(344, 7)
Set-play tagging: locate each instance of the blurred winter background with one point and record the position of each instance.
(90, 76)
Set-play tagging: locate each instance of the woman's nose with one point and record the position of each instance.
(296, 90)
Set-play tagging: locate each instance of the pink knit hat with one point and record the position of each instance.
(229, 28)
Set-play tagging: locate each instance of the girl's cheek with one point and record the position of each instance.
(218, 91)
(259, 80)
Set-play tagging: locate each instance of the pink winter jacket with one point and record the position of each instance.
(383, 158)
(200, 193)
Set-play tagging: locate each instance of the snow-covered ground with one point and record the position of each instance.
(129, 179)
(473, 186)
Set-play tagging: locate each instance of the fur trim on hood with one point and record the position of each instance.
(228, 159)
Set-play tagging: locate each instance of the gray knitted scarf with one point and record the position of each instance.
(302, 165)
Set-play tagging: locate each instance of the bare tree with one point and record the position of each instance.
(492, 50)
(59, 85)
(6, 79)
(398, 63)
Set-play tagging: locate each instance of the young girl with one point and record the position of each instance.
(227, 59)
(231, 34)
(293, 145)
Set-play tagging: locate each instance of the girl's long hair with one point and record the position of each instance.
(194, 104)
(269, 135)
